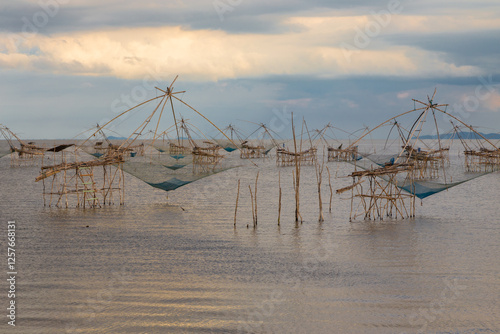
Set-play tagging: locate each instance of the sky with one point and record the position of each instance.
(66, 65)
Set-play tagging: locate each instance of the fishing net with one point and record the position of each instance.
(163, 148)
(439, 160)
(422, 185)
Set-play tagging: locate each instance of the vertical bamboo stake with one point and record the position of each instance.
(122, 198)
(256, 179)
(319, 179)
(43, 184)
(352, 196)
(321, 218)
(237, 198)
(297, 173)
(331, 190)
(251, 199)
(64, 189)
(279, 203)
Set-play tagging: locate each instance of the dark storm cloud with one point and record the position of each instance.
(231, 16)
(70, 103)
(477, 48)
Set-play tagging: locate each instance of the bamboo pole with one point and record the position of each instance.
(279, 203)
(256, 179)
(297, 175)
(65, 191)
(236, 206)
(319, 179)
(251, 199)
(331, 189)
(122, 192)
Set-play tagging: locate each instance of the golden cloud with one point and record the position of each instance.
(132, 53)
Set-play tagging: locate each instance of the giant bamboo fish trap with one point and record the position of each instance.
(375, 193)
(427, 162)
(251, 149)
(73, 181)
(205, 159)
(389, 189)
(23, 154)
(482, 160)
(478, 158)
(205, 154)
(178, 149)
(339, 154)
(235, 138)
(26, 154)
(300, 157)
(287, 158)
(85, 184)
(100, 149)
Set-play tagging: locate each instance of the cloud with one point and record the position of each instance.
(403, 95)
(132, 53)
(475, 48)
(263, 55)
(493, 103)
(127, 40)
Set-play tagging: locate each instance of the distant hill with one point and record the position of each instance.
(463, 135)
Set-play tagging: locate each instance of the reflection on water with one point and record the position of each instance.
(177, 265)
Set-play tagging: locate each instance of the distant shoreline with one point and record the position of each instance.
(463, 135)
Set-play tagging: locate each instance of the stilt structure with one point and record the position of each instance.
(85, 184)
(308, 157)
(482, 160)
(285, 157)
(99, 149)
(427, 163)
(249, 151)
(390, 188)
(337, 153)
(235, 136)
(205, 154)
(101, 181)
(178, 149)
(23, 154)
(478, 157)
(265, 143)
(375, 193)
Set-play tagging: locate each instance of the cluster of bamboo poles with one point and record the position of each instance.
(81, 180)
(482, 161)
(339, 154)
(382, 198)
(252, 152)
(296, 173)
(205, 159)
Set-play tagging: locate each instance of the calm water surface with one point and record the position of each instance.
(177, 264)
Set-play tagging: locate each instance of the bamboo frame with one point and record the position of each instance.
(482, 160)
(287, 158)
(79, 184)
(248, 151)
(382, 198)
(339, 154)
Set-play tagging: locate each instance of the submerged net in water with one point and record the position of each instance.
(452, 174)
(162, 176)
